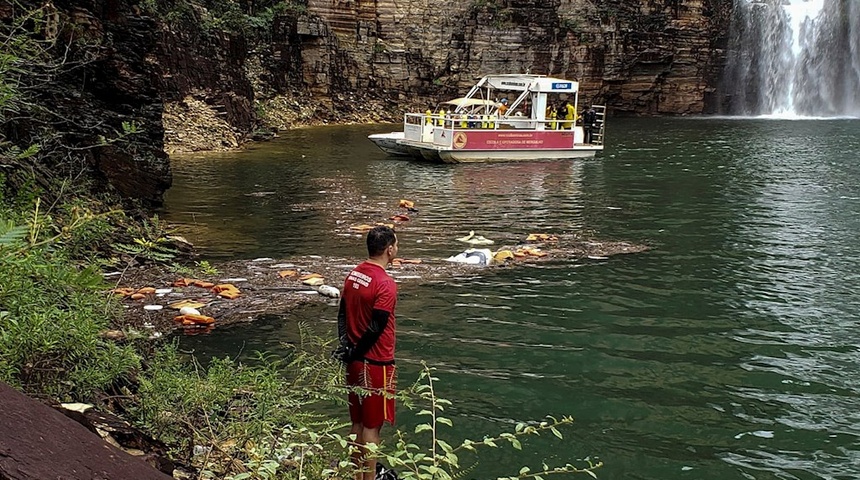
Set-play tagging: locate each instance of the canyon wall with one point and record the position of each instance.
(643, 57)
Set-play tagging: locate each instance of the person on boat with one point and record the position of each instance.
(367, 332)
(551, 115)
(589, 118)
(568, 113)
(503, 107)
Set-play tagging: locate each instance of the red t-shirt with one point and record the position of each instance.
(366, 288)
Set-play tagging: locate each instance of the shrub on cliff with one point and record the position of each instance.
(253, 19)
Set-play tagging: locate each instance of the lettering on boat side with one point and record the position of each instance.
(514, 84)
(495, 140)
(562, 86)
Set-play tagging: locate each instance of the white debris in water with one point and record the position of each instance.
(263, 259)
(757, 433)
(153, 307)
(234, 280)
(328, 291)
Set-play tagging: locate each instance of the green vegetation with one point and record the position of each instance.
(254, 19)
(52, 311)
(232, 419)
(500, 14)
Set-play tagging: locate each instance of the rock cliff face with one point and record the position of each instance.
(89, 70)
(637, 56)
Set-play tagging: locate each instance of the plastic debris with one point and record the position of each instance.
(529, 252)
(189, 320)
(405, 261)
(189, 311)
(186, 303)
(502, 255)
(541, 237)
(153, 307)
(224, 287)
(314, 281)
(328, 291)
(473, 256)
(473, 239)
(77, 407)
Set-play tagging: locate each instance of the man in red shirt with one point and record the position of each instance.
(366, 328)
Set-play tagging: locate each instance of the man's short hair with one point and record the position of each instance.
(379, 238)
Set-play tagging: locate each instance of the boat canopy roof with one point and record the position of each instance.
(470, 102)
(534, 83)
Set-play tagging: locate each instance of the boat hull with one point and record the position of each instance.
(389, 143)
(449, 155)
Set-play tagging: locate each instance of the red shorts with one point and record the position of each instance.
(374, 409)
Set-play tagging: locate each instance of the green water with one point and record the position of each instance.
(729, 351)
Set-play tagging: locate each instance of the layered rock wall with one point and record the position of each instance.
(637, 56)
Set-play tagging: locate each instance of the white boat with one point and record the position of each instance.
(502, 118)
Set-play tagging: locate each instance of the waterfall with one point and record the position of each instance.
(791, 58)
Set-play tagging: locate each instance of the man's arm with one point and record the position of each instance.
(341, 324)
(378, 322)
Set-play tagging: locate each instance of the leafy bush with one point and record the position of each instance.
(252, 19)
(248, 421)
(51, 315)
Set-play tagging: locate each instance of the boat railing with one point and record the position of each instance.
(431, 128)
(484, 122)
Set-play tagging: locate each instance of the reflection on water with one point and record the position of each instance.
(729, 351)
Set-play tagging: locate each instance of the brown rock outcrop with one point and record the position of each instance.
(89, 84)
(38, 442)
